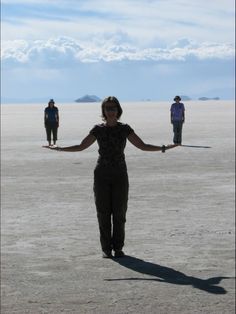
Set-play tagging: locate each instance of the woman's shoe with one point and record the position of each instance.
(106, 254)
(119, 253)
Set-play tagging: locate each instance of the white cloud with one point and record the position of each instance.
(64, 52)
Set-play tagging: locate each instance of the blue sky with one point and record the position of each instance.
(133, 49)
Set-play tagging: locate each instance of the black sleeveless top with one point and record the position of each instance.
(111, 141)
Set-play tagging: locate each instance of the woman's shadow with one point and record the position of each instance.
(168, 275)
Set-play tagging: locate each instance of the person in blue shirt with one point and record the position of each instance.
(177, 118)
(51, 122)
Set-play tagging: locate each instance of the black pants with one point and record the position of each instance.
(51, 130)
(111, 188)
(177, 129)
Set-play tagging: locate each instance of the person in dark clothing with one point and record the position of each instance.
(51, 122)
(177, 118)
(111, 183)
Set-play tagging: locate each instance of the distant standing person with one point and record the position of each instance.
(51, 122)
(177, 118)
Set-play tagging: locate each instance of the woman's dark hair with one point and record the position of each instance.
(115, 101)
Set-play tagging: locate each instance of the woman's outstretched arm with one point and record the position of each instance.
(138, 142)
(86, 142)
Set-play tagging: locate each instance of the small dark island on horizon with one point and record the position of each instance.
(207, 98)
(88, 98)
(184, 97)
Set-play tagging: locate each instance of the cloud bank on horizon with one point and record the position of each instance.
(145, 49)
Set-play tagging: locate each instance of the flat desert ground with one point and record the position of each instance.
(180, 240)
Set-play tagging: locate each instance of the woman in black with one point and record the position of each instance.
(110, 175)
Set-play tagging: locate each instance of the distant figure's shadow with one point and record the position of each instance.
(168, 275)
(196, 146)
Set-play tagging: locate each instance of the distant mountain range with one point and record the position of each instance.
(207, 98)
(94, 98)
(184, 98)
(86, 99)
